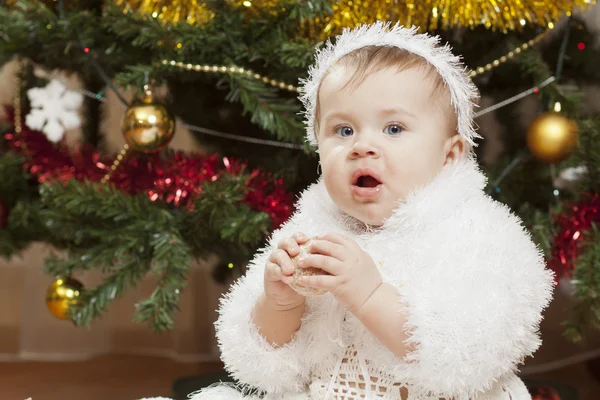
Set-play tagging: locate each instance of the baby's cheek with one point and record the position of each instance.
(333, 184)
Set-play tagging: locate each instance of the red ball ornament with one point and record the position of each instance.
(574, 225)
(3, 214)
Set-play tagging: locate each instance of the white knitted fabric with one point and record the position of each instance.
(347, 380)
(463, 92)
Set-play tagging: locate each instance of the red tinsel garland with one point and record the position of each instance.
(173, 177)
(575, 223)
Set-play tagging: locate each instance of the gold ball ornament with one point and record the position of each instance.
(552, 137)
(299, 272)
(148, 126)
(62, 294)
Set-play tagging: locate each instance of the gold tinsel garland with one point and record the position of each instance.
(443, 14)
(194, 12)
(256, 8)
(502, 15)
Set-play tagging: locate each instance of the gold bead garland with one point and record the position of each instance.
(17, 106)
(115, 164)
(232, 70)
(18, 116)
(510, 55)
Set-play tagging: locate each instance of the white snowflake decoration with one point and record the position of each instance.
(573, 174)
(568, 176)
(53, 110)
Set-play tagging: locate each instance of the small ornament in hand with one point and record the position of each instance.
(308, 271)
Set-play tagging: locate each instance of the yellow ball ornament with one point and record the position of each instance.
(148, 126)
(552, 137)
(62, 294)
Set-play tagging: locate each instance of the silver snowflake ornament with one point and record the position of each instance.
(53, 110)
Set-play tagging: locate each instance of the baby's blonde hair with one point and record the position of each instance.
(371, 59)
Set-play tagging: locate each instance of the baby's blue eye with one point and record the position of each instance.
(344, 131)
(393, 129)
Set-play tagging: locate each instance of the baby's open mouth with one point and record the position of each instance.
(367, 181)
(366, 184)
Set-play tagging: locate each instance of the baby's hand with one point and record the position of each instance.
(353, 274)
(278, 273)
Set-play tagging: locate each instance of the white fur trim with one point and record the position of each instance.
(463, 92)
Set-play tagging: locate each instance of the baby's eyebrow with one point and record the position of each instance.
(336, 114)
(396, 110)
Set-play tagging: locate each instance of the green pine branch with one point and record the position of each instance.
(125, 236)
(586, 282)
(93, 302)
(273, 114)
(171, 263)
(23, 227)
(18, 193)
(307, 10)
(298, 54)
(588, 154)
(532, 63)
(220, 211)
(128, 237)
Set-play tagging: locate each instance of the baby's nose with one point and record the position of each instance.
(364, 148)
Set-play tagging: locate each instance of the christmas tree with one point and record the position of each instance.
(232, 69)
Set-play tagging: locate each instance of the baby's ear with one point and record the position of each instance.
(455, 149)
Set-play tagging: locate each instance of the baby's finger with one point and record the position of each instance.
(325, 282)
(326, 263)
(282, 259)
(290, 245)
(328, 248)
(300, 237)
(273, 272)
(288, 280)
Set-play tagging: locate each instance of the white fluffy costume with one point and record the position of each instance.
(472, 283)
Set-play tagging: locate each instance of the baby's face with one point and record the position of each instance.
(381, 140)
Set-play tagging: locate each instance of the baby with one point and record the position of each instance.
(432, 289)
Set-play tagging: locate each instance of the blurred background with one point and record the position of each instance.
(148, 148)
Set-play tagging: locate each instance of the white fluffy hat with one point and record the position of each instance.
(463, 92)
